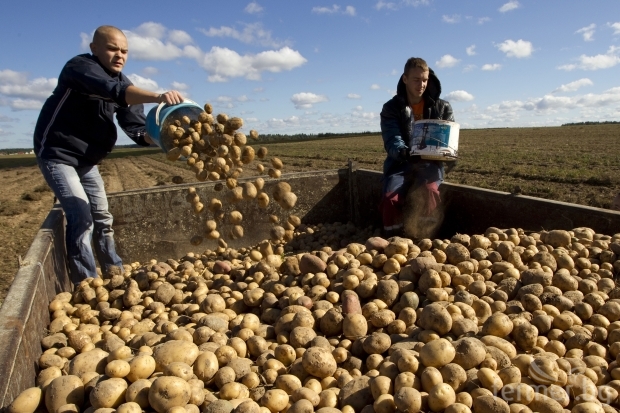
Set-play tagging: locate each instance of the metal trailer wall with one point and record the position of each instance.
(24, 315)
(158, 223)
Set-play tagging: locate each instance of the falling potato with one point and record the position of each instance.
(235, 194)
(259, 183)
(274, 173)
(186, 150)
(237, 231)
(234, 123)
(247, 154)
(173, 154)
(261, 152)
(277, 163)
(294, 220)
(280, 189)
(277, 233)
(213, 234)
(240, 139)
(211, 225)
(208, 108)
(288, 200)
(260, 168)
(177, 179)
(215, 205)
(254, 134)
(222, 118)
(263, 200)
(218, 187)
(198, 207)
(231, 183)
(274, 219)
(249, 190)
(235, 217)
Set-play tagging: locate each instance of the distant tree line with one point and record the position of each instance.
(606, 122)
(274, 138)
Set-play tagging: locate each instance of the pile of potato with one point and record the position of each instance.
(215, 150)
(500, 322)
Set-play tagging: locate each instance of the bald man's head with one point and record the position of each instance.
(110, 47)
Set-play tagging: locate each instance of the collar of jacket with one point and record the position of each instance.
(430, 95)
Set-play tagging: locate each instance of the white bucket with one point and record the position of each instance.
(436, 140)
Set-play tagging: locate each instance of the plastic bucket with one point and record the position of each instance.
(435, 139)
(159, 117)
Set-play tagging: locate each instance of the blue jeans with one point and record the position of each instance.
(82, 195)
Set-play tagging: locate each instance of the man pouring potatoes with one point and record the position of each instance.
(417, 97)
(75, 131)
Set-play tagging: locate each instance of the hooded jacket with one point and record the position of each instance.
(76, 124)
(397, 121)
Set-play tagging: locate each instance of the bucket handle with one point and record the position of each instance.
(162, 104)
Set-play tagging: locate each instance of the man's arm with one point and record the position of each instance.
(134, 95)
(448, 114)
(393, 142)
(131, 120)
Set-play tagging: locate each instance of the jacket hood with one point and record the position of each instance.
(432, 92)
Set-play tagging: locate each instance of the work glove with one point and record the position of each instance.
(403, 154)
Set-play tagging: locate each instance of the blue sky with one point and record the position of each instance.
(314, 66)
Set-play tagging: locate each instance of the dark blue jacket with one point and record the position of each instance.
(76, 124)
(397, 118)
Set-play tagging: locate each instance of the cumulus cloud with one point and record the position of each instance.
(459, 96)
(511, 5)
(469, 68)
(573, 86)
(354, 96)
(519, 49)
(483, 20)
(305, 100)
(145, 83)
(447, 61)
(253, 8)
(20, 93)
(546, 103)
(179, 86)
(587, 32)
(150, 71)
(180, 37)
(455, 18)
(491, 67)
(615, 26)
(334, 9)
(471, 50)
(253, 33)
(600, 61)
(395, 5)
(375, 86)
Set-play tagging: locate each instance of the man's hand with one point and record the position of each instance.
(148, 139)
(404, 154)
(171, 97)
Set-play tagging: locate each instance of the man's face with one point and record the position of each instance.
(416, 80)
(111, 50)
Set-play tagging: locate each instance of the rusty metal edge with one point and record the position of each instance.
(17, 307)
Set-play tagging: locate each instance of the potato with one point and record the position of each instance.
(319, 362)
(275, 400)
(64, 390)
(27, 401)
(437, 353)
(108, 393)
(440, 397)
(167, 392)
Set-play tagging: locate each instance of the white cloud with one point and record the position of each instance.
(334, 9)
(375, 86)
(459, 96)
(143, 47)
(600, 61)
(253, 8)
(179, 86)
(224, 99)
(151, 29)
(469, 68)
(395, 5)
(573, 86)
(180, 37)
(26, 104)
(305, 100)
(358, 108)
(483, 20)
(16, 85)
(519, 49)
(354, 96)
(511, 5)
(608, 98)
(491, 67)
(253, 33)
(471, 50)
(222, 63)
(447, 61)
(145, 83)
(258, 90)
(587, 32)
(326, 10)
(7, 119)
(455, 18)
(242, 98)
(615, 26)
(150, 71)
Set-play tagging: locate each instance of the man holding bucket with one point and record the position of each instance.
(75, 131)
(417, 97)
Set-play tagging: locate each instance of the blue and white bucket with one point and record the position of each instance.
(436, 140)
(160, 116)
